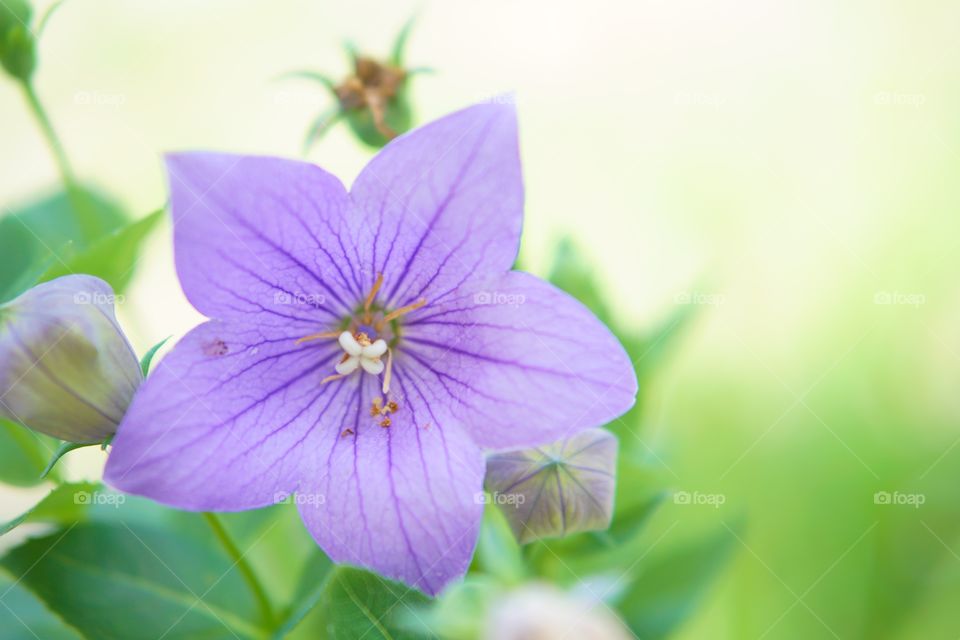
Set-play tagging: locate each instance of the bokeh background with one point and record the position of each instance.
(788, 168)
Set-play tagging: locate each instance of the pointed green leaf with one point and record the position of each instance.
(130, 581)
(112, 257)
(360, 604)
(498, 553)
(671, 585)
(26, 618)
(23, 454)
(40, 234)
(66, 504)
(148, 356)
(400, 44)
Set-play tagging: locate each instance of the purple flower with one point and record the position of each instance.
(365, 347)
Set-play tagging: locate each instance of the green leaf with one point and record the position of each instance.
(23, 454)
(498, 553)
(571, 273)
(66, 504)
(26, 618)
(358, 604)
(148, 356)
(400, 44)
(671, 585)
(64, 449)
(39, 234)
(461, 612)
(310, 589)
(112, 257)
(128, 582)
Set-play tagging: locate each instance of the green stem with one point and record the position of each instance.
(266, 610)
(76, 195)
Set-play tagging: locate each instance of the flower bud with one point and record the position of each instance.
(17, 43)
(543, 611)
(66, 368)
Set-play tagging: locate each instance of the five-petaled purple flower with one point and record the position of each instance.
(365, 347)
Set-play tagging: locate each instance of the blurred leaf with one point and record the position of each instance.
(649, 352)
(36, 236)
(315, 76)
(460, 613)
(310, 588)
(118, 581)
(558, 489)
(60, 506)
(45, 18)
(320, 126)
(64, 449)
(148, 356)
(671, 585)
(112, 257)
(571, 273)
(26, 618)
(400, 44)
(23, 454)
(358, 604)
(498, 553)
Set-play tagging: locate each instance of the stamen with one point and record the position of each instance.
(396, 313)
(387, 375)
(385, 422)
(318, 336)
(334, 377)
(370, 296)
(392, 406)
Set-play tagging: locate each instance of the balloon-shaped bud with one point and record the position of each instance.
(66, 368)
(556, 490)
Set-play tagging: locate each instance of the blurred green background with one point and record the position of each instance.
(788, 169)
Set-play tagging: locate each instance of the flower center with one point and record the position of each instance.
(360, 352)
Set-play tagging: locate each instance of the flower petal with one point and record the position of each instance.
(558, 489)
(402, 500)
(442, 203)
(226, 419)
(264, 236)
(528, 363)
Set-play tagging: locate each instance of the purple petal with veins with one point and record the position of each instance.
(379, 433)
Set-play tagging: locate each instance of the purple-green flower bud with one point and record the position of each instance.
(66, 368)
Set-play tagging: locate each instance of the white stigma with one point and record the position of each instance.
(366, 356)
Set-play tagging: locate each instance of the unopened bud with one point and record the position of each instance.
(66, 368)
